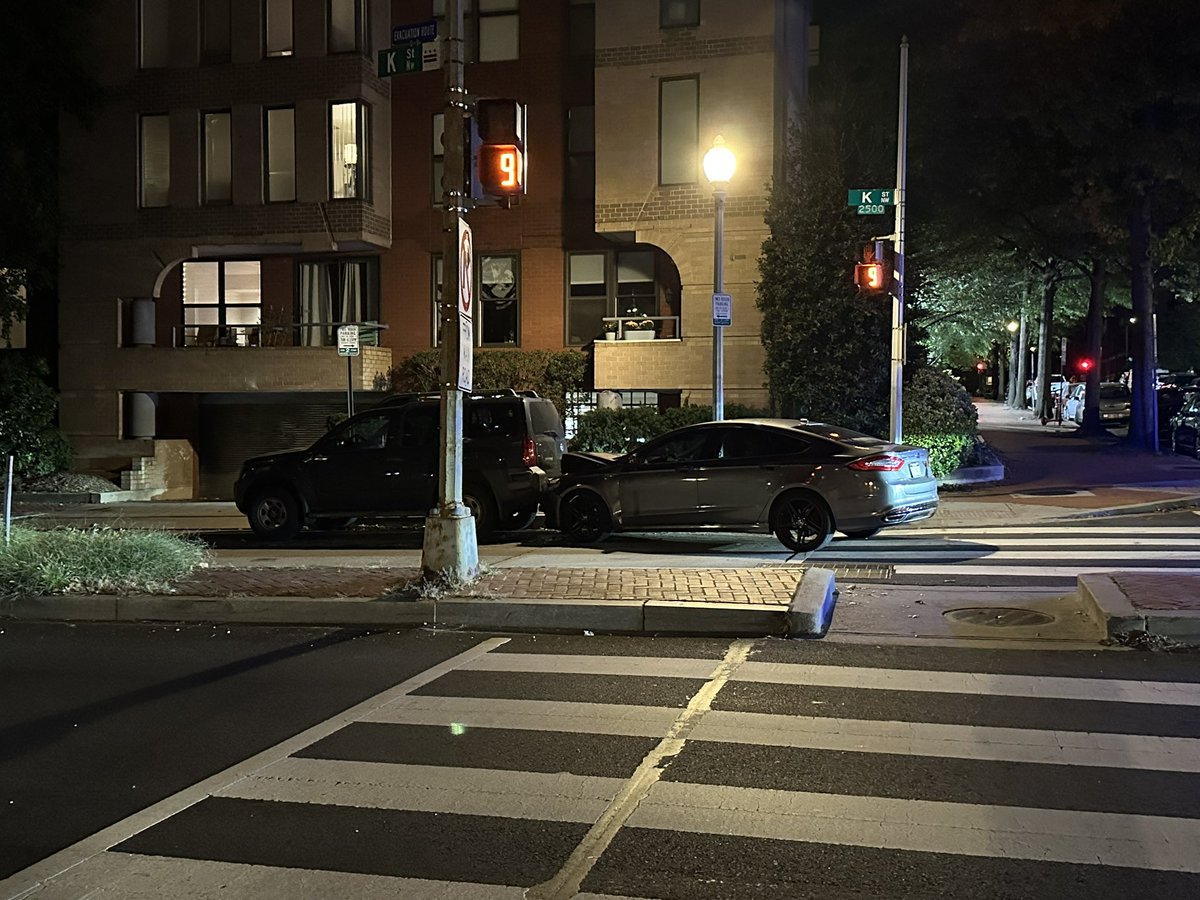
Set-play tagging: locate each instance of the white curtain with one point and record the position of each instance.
(316, 305)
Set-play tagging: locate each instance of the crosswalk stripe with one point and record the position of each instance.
(1106, 689)
(899, 542)
(1114, 839)
(980, 569)
(1030, 745)
(978, 551)
(1076, 530)
(975, 683)
(134, 876)
(555, 797)
(1151, 752)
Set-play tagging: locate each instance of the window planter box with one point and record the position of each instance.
(647, 335)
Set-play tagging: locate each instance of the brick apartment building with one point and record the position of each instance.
(252, 182)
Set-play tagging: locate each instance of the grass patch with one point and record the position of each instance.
(94, 561)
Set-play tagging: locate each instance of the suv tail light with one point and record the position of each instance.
(883, 463)
(529, 453)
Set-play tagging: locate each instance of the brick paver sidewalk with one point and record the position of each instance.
(1160, 590)
(763, 585)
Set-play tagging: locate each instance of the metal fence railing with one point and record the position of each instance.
(285, 334)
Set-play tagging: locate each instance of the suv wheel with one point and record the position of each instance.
(802, 522)
(274, 514)
(479, 501)
(584, 519)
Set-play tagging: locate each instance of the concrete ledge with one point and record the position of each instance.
(273, 610)
(35, 497)
(1108, 603)
(681, 617)
(974, 475)
(61, 608)
(604, 616)
(811, 611)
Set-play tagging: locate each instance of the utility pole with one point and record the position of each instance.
(898, 328)
(449, 549)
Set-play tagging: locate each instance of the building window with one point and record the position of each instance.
(156, 160)
(278, 16)
(491, 26)
(497, 308)
(215, 35)
(337, 292)
(678, 13)
(587, 296)
(281, 154)
(678, 130)
(581, 152)
(154, 51)
(581, 28)
(640, 281)
(347, 25)
(218, 158)
(439, 158)
(222, 303)
(348, 150)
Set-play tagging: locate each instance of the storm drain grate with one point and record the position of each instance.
(998, 616)
(851, 572)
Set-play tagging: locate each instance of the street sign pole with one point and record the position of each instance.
(897, 365)
(449, 549)
(348, 346)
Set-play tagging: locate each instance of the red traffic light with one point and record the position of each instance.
(1085, 365)
(980, 366)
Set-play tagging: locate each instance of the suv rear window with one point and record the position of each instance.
(484, 420)
(545, 418)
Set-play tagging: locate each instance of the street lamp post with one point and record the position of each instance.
(1014, 363)
(719, 164)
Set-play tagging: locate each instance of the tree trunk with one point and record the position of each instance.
(1093, 349)
(1022, 352)
(1049, 288)
(998, 390)
(1143, 422)
(1014, 367)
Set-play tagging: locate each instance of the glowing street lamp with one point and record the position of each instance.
(719, 164)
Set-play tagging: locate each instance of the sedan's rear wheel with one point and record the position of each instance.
(274, 514)
(802, 522)
(584, 518)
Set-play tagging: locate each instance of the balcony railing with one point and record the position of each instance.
(627, 328)
(283, 334)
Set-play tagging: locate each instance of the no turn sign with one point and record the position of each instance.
(466, 312)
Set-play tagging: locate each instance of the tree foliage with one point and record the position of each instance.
(27, 409)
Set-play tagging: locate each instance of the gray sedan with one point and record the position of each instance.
(800, 480)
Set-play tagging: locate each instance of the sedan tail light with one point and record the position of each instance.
(883, 463)
(529, 453)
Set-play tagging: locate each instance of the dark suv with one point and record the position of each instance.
(384, 463)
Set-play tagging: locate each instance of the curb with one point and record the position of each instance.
(974, 475)
(89, 497)
(808, 615)
(1133, 508)
(1104, 599)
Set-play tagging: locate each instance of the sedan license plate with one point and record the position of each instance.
(916, 470)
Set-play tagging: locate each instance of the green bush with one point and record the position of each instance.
(553, 374)
(94, 560)
(939, 415)
(621, 430)
(27, 408)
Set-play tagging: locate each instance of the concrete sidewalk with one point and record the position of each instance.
(1052, 474)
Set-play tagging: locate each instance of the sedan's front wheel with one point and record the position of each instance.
(584, 518)
(274, 514)
(802, 522)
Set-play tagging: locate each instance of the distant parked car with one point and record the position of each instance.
(1185, 427)
(383, 463)
(1115, 400)
(799, 480)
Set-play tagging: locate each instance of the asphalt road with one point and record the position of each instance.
(788, 769)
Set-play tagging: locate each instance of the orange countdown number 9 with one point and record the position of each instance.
(511, 167)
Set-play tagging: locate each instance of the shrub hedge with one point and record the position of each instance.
(621, 430)
(939, 416)
(27, 409)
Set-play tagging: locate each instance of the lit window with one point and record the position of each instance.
(338, 292)
(218, 160)
(281, 154)
(222, 303)
(678, 130)
(279, 27)
(154, 52)
(499, 306)
(156, 160)
(348, 150)
(678, 13)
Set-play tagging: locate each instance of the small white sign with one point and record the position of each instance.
(431, 56)
(722, 309)
(347, 340)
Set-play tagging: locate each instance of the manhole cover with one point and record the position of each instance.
(998, 616)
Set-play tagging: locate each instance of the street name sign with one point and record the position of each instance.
(722, 309)
(413, 56)
(871, 201)
(421, 32)
(347, 340)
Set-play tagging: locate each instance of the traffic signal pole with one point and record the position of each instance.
(449, 549)
(898, 328)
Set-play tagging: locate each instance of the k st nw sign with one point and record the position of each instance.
(871, 201)
(413, 56)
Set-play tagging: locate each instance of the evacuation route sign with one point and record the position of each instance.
(466, 306)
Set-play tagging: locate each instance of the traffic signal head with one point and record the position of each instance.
(1085, 365)
(871, 277)
(498, 149)
(980, 366)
